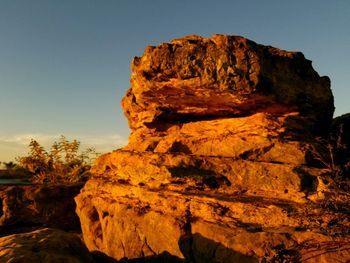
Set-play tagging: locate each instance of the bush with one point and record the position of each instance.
(333, 154)
(62, 164)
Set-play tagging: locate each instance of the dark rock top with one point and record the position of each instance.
(196, 78)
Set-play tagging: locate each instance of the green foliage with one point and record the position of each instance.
(63, 163)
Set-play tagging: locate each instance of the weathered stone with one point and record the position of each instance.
(123, 220)
(217, 168)
(213, 209)
(226, 96)
(256, 137)
(38, 205)
(44, 245)
(194, 78)
(212, 174)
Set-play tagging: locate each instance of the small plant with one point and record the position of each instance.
(63, 163)
(322, 152)
(333, 154)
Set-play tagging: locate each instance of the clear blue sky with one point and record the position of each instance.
(65, 64)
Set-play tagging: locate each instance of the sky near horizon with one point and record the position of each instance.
(65, 64)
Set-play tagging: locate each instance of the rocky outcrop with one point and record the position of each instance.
(27, 206)
(44, 245)
(219, 163)
(195, 78)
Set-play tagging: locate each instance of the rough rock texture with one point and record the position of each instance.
(217, 168)
(29, 206)
(197, 78)
(44, 245)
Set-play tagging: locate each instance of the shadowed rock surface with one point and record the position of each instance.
(34, 206)
(219, 165)
(45, 246)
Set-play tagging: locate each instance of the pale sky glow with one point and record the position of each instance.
(65, 64)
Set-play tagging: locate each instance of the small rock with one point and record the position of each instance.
(44, 245)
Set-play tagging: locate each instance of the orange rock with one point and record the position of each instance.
(256, 137)
(195, 78)
(217, 168)
(123, 220)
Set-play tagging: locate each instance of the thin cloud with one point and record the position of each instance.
(24, 139)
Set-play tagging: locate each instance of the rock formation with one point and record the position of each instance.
(219, 165)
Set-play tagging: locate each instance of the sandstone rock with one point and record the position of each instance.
(202, 96)
(137, 221)
(217, 168)
(38, 205)
(212, 174)
(195, 78)
(44, 245)
(256, 137)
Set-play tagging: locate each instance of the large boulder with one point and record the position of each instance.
(217, 166)
(226, 96)
(195, 78)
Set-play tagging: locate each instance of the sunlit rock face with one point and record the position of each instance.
(225, 96)
(217, 168)
(195, 78)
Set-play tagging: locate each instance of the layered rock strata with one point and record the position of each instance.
(217, 168)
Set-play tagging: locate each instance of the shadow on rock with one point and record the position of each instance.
(30, 207)
(165, 257)
(308, 181)
(197, 248)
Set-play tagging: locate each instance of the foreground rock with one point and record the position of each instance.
(23, 207)
(221, 163)
(44, 245)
